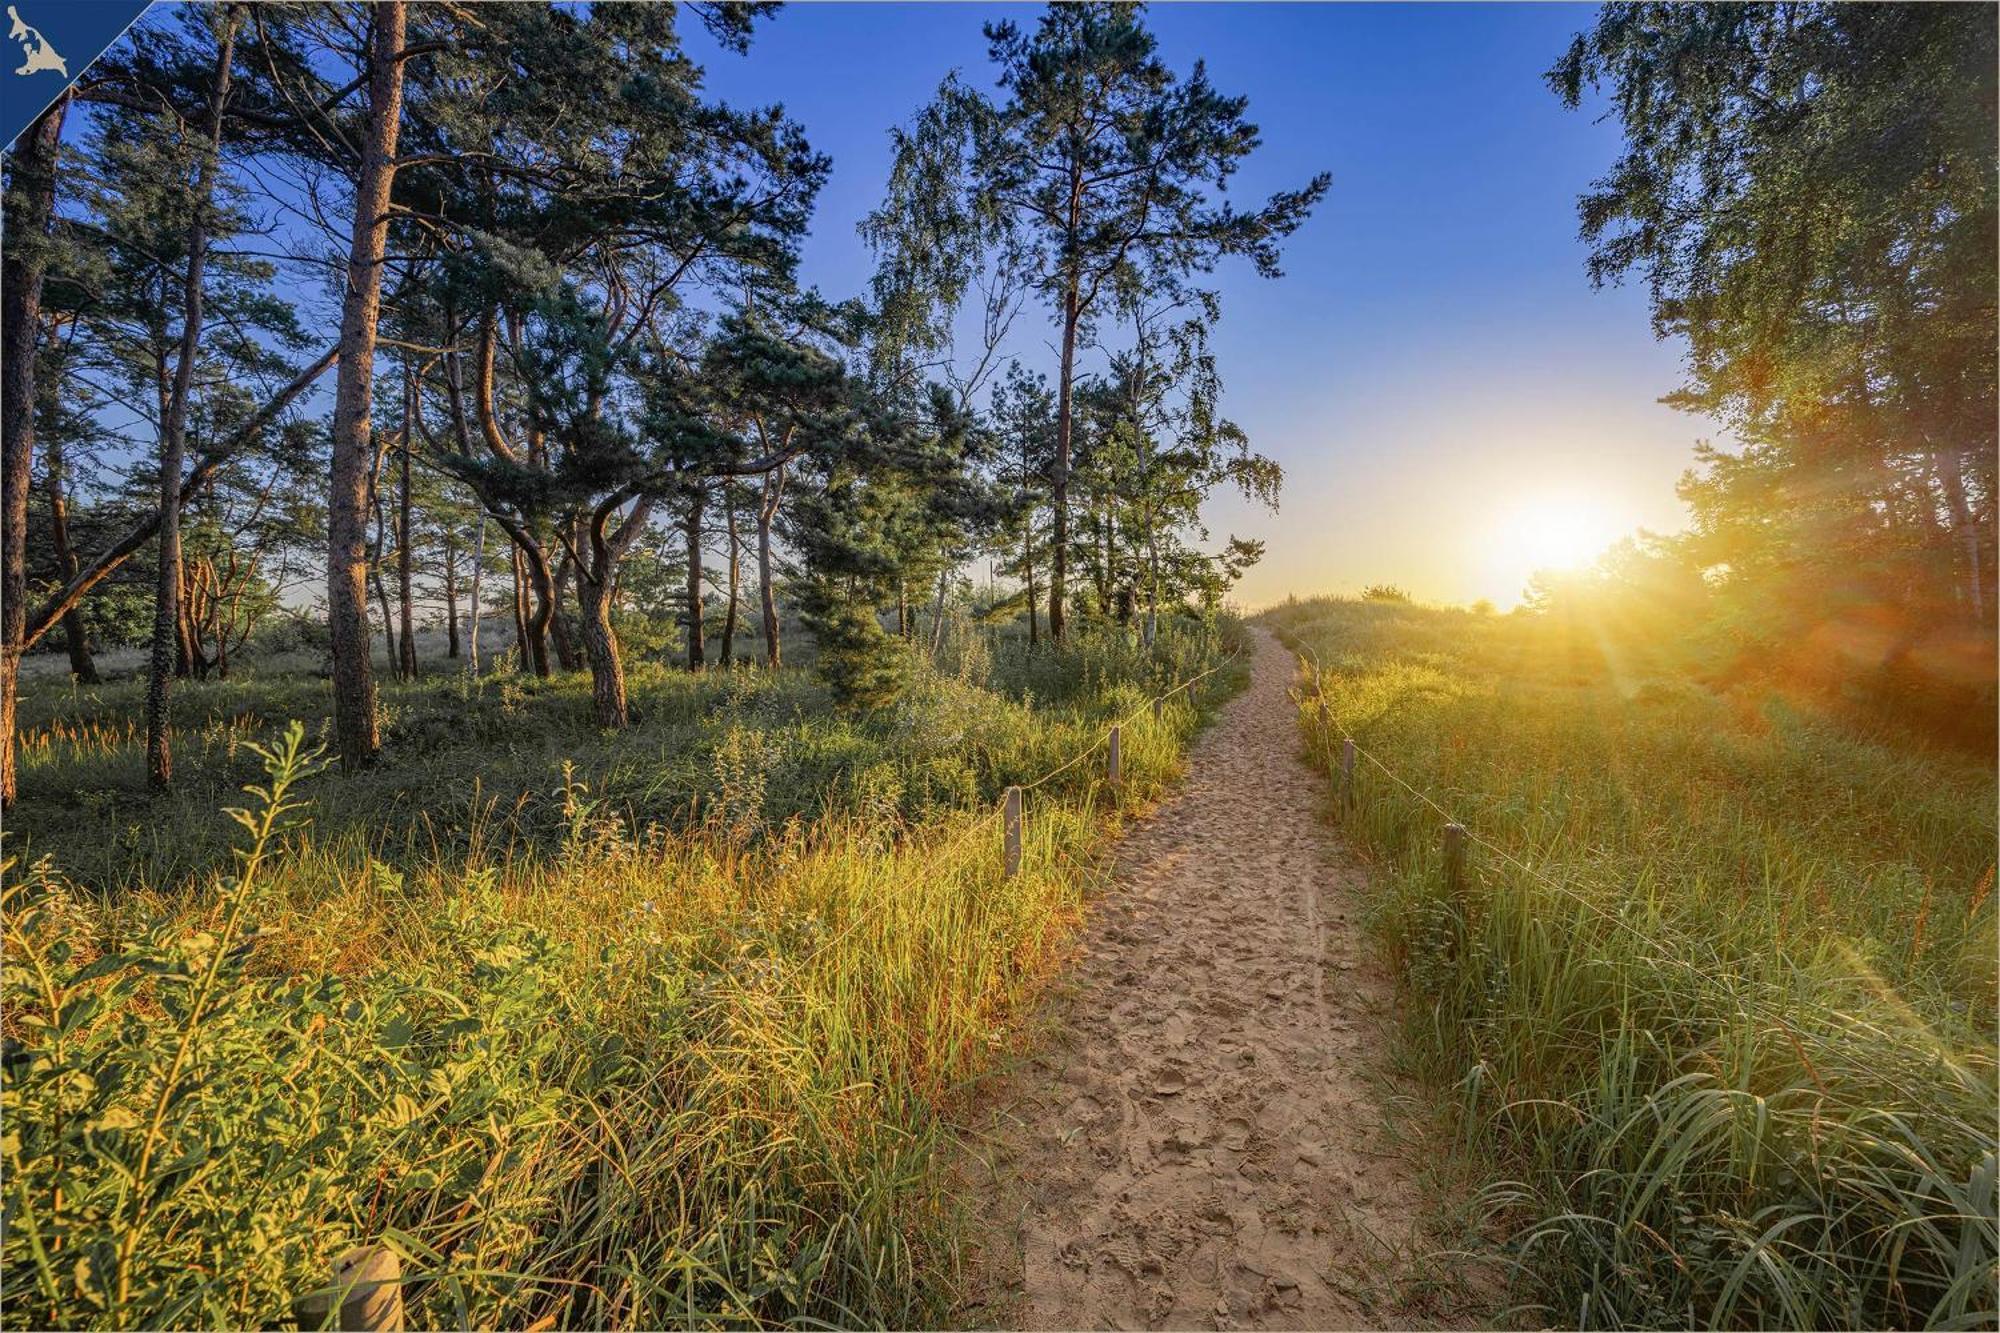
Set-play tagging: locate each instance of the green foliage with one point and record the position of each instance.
(488, 757)
(1152, 448)
(864, 665)
(891, 512)
(570, 1065)
(1891, 668)
(1716, 1013)
(119, 612)
(1098, 181)
(1809, 191)
(1088, 94)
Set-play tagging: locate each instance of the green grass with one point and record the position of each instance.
(1714, 1017)
(751, 748)
(662, 1029)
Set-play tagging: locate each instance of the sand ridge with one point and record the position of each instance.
(1202, 1147)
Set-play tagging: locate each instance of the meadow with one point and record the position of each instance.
(598, 1030)
(1712, 1020)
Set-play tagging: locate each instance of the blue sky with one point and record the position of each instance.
(1435, 373)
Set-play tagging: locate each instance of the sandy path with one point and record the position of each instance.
(1201, 1148)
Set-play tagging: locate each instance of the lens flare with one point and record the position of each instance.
(1554, 531)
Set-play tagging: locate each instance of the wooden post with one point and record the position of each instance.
(1117, 754)
(1325, 717)
(367, 1282)
(1347, 774)
(1454, 860)
(1159, 706)
(1013, 836)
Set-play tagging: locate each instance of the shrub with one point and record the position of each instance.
(190, 1138)
(291, 631)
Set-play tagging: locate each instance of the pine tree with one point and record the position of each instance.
(1102, 169)
(30, 203)
(1024, 415)
(586, 205)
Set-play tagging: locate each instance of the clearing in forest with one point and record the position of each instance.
(1203, 1146)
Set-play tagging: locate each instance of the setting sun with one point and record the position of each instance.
(1560, 531)
(1551, 530)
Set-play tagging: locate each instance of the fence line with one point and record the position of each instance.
(1011, 810)
(1091, 749)
(1653, 946)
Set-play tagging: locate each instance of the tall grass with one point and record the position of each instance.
(1716, 1013)
(589, 1070)
(768, 746)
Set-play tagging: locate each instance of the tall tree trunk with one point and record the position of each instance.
(597, 589)
(378, 551)
(189, 660)
(600, 644)
(406, 664)
(696, 651)
(107, 562)
(568, 657)
(540, 609)
(183, 644)
(391, 651)
(451, 591)
(81, 664)
(163, 393)
(1028, 565)
(1964, 530)
(201, 612)
(478, 569)
(1150, 626)
(1152, 586)
(30, 201)
(735, 576)
(1059, 483)
(521, 611)
(1107, 588)
(531, 560)
(767, 510)
(173, 431)
(937, 613)
(356, 732)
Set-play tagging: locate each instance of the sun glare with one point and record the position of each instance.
(1552, 531)
(1561, 532)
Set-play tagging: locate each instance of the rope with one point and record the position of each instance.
(966, 833)
(1092, 748)
(1653, 945)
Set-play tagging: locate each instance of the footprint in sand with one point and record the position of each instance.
(1238, 1077)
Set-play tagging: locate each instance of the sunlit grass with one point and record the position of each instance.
(1717, 1009)
(579, 1065)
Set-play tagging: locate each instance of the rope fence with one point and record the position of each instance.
(1010, 814)
(1456, 833)
(1012, 801)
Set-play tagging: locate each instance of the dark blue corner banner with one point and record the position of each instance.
(45, 46)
